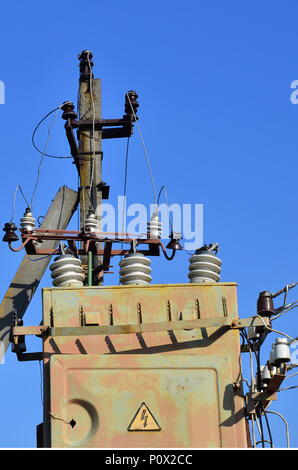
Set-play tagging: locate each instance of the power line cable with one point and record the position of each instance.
(35, 130)
(43, 153)
(14, 201)
(124, 192)
(145, 150)
(286, 310)
(287, 388)
(164, 189)
(289, 376)
(275, 331)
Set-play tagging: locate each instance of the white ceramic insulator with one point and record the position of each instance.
(265, 374)
(135, 269)
(281, 351)
(67, 271)
(91, 223)
(28, 222)
(154, 227)
(204, 267)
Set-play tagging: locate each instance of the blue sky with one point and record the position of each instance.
(213, 80)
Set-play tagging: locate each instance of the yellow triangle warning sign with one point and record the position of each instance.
(144, 420)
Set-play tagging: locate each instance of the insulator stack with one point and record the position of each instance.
(28, 222)
(204, 266)
(91, 223)
(67, 271)
(135, 269)
(154, 227)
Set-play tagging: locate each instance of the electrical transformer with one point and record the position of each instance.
(142, 367)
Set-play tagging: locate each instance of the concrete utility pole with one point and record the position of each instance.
(90, 153)
(29, 274)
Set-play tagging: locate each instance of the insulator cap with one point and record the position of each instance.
(204, 267)
(10, 236)
(135, 269)
(265, 305)
(67, 271)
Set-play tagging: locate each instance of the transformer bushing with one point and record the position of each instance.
(28, 222)
(67, 271)
(204, 266)
(135, 269)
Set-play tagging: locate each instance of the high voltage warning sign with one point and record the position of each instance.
(144, 420)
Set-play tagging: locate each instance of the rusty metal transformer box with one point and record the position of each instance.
(137, 386)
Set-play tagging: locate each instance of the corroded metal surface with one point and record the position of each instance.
(184, 377)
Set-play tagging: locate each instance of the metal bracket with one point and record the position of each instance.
(45, 330)
(253, 400)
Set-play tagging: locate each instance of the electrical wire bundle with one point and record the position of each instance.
(254, 347)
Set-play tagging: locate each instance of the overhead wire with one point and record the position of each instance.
(145, 150)
(286, 310)
(275, 331)
(287, 388)
(14, 201)
(43, 153)
(164, 189)
(289, 376)
(124, 191)
(35, 130)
